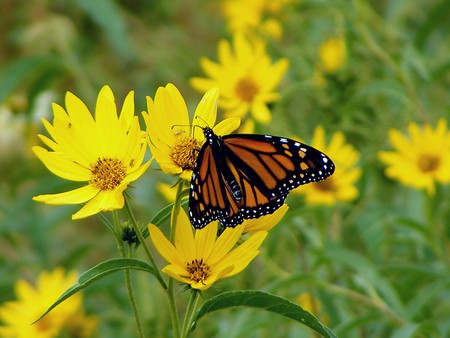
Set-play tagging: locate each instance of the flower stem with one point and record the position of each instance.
(143, 243)
(127, 275)
(170, 289)
(133, 302)
(190, 313)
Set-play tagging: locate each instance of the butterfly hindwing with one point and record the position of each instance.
(242, 176)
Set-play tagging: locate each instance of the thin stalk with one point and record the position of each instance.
(170, 289)
(143, 243)
(190, 313)
(127, 275)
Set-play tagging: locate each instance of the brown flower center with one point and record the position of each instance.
(198, 270)
(246, 89)
(428, 163)
(185, 151)
(107, 173)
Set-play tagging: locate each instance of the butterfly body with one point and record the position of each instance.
(242, 176)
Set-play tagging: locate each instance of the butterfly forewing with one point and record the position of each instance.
(265, 169)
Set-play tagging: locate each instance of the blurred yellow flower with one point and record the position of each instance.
(18, 315)
(332, 54)
(246, 78)
(340, 186)
(202, 258)
(420, 159)
(173, 141)
(255, 16)
(107, 152)
(312, 305)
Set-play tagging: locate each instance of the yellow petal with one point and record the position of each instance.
(184, 237)
(266, 222)
(164, 246)
(225, 242)
(76, 196)
(61, 166)
(205, 240)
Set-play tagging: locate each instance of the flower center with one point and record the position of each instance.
(185, 151)
(325, 185)
(429, 163)
(246, 89)
(107, 173)
(198, 270)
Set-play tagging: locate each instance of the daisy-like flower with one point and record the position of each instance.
(106, 152)
(174, 143)
(202, 258)
(332, 57)
(340, 186)
(421, 159)
(246, 77)
(332, 54)
(18, 315)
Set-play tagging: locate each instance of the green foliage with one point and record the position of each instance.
(265, 301)
(378, 266)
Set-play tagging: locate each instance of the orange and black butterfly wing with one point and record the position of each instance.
(267, 168)
(209, 198)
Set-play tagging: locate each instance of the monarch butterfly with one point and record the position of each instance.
(242, 176)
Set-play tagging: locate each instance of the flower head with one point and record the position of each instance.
(106, 152)
(255, 16)
(332, 54)
(246, 78)
(173, 142)
(202, 258)
(18, 315)
(340, 186)
(420, 159)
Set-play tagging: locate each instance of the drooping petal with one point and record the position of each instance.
(76, 196)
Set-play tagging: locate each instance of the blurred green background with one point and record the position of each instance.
(376, 265)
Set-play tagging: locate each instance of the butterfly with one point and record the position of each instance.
(243, 176)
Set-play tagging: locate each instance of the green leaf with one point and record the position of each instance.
(97, 272)
(22, 69)
(107, 15)
(264, 301)
(161, 216)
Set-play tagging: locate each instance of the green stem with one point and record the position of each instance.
(133, 302)
(175, 211)
(190, 313)
(173, 309)
(378, 304)
(170, 289)
(363, 16)
(127, 274)
(143, 243)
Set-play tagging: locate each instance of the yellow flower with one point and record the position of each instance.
(246, 78)
(173, 142)
(421, 159)
(107, 152)
(340, 186)
(332, 54)
(18, 315)
(312, 305)
(255, 16)
(202, 258)
(265, 222)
